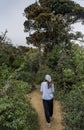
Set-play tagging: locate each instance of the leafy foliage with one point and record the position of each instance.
(47, 18)
(19, 87)
(66, 65)
(66, 7)
(74, 107)
(15, 113)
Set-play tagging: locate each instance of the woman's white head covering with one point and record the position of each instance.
(48, 78)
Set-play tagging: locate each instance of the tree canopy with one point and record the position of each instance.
(48, 22)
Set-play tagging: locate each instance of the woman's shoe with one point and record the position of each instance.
(48, 124)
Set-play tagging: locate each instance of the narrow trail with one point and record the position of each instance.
(36, 101)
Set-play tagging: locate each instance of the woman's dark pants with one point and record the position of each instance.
(48, 109)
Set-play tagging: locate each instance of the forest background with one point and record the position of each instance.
(49, 26)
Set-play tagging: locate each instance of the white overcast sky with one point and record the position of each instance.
(12, 19)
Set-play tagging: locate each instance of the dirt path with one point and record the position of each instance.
(36, 102)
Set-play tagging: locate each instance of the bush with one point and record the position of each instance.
(17, 114)
(4, 74)
(23, 74)
(19, 88)
(74, 109)
(26, 76)
(67, 66)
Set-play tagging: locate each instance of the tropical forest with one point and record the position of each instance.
(56, 51)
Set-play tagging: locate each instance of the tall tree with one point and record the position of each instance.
(48, 22)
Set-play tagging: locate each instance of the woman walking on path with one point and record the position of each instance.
(47, 89)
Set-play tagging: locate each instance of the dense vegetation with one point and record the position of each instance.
(56, 53)
(15, 82)
(68, 73)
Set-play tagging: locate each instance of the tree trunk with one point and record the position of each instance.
(39, 55)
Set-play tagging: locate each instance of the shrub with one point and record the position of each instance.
(19, 88)
(74, 109)
(17, 114)
(26, 76)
